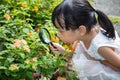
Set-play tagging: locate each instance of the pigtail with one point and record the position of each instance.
(106, 24)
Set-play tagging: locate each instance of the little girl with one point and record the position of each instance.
(98, 51)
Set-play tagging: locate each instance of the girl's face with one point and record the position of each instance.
(68, 36)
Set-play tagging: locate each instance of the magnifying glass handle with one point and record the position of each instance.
(53, 45)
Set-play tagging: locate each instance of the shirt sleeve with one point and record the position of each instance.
(101, 41)
(105, 41)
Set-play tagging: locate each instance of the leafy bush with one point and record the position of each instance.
(21, 51)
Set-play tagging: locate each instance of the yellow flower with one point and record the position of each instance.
(30, 34)
(36, 8)
(17, 43)
(22, 79)
(7, 16)
(26, 48)
(57, 40)
(65, 46)
(23, 41)
(27, 61)
(24, 5)
(34, 67)
(13, 67)
(61, 78)
(56, 55)
(52, 38)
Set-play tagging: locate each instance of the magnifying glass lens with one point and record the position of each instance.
(44, 36)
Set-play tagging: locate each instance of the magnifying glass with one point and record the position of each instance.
(45, 36)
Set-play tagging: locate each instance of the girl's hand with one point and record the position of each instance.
(105, 62)
(56, 48)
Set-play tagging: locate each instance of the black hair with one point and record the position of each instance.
(71, 14)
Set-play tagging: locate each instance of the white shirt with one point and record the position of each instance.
(88, 69)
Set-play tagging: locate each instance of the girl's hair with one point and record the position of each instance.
(71, 14)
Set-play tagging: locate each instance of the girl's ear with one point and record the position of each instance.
(82, 30)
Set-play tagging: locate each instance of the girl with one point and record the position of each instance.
(98, 51)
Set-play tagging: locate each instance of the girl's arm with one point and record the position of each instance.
(105, 62)
(112, 58)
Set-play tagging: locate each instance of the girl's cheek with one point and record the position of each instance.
(59, 35)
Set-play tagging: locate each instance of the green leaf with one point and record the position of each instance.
(26, 30)
(6, 31)
(29, 74)
(22, 55)
(3, 52)
(7, 72)
(2, 67)
(10, 59)
(1, 57)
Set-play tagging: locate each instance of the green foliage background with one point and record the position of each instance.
(22, 19)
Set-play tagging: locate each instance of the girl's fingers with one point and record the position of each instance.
(55, 47)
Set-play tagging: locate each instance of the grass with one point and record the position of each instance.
(115, 19)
